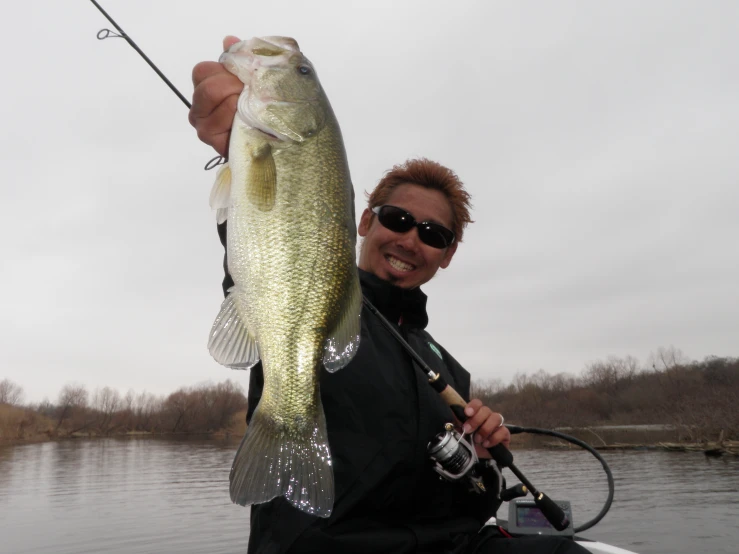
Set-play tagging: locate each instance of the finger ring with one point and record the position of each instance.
(502, 421)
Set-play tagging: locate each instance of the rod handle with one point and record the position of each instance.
(499, 452)
(452, 398)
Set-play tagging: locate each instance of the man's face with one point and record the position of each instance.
(402, 258)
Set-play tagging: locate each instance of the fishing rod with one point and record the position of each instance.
(107, 33)
(550, 509)
(554, 514)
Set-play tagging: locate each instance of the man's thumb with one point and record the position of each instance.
(229, 41)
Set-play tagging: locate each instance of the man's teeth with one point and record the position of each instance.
(399, 265)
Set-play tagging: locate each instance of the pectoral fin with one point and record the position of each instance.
(220, 194)
(261, 186)
(230, 342)
(343, 343)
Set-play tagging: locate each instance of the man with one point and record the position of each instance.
(380, 411)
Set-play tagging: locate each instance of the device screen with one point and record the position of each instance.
(530, 516)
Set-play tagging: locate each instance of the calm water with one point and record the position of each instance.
(157, 496)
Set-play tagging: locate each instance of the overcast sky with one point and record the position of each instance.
(599, 142)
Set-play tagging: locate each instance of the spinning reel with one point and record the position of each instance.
(455, 459)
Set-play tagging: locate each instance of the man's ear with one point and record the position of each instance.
(364, 222)
(447, 259)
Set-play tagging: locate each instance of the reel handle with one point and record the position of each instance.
(499, 452)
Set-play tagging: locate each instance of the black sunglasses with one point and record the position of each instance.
(399, 221)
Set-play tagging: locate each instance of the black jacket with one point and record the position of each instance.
(380, 413)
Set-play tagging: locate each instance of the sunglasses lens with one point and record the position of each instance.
(400, 221)
(434, 235)
(395, 219)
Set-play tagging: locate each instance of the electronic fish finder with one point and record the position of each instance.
(525, 518)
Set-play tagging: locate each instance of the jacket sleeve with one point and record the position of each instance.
(256, 385)
(228, 282)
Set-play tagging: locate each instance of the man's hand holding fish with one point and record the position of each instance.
(216, 92)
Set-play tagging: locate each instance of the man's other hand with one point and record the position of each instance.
(486, 426)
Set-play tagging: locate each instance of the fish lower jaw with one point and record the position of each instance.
(265, 134)
(399, 265)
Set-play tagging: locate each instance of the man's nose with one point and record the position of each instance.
(408, 241)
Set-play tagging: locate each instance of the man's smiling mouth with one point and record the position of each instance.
(399, 264)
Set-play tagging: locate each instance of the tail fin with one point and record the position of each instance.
(272, 461)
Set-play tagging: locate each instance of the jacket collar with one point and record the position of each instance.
(395, 303)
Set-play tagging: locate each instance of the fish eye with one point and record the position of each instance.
(304, 70)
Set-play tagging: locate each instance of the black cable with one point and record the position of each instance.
(515, 429)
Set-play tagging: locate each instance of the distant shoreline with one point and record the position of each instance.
(20, 425)
(638, 437)
(625, 433)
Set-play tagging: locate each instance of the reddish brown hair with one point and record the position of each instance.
(430, 175)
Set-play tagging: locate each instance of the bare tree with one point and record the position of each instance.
(178, 408)
(106, 402)
(203, 408)
(698, 398)
(46, 408)
(146, 408)
(612, 374)
(667, 358)
(129, 399)
(72, 400)
(10, 393)
(229, 400)
(561, 383)
(487, 390)
(125, 417)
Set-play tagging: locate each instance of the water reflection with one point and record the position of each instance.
(157, 496)
(119, 495)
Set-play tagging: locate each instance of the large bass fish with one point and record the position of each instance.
(288, 198)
